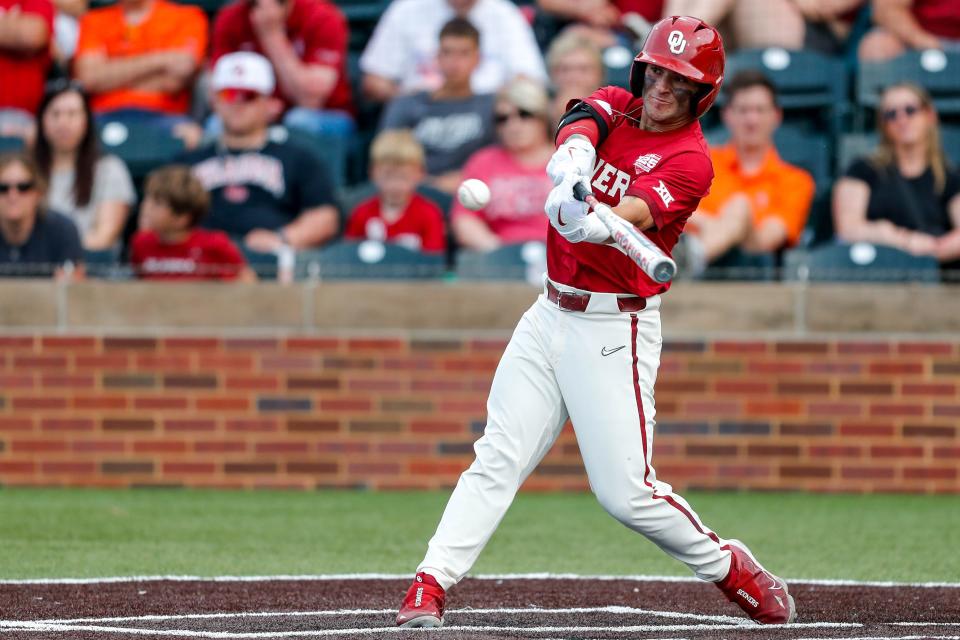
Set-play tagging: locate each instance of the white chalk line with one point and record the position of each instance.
(616, 609)
(494, 576)
(60, 628)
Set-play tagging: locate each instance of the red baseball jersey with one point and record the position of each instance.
(204, 255)
(669, 171)
(419, 227)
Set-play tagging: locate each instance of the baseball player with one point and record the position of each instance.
(589, 347)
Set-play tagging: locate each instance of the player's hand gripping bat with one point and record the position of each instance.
(648, 256)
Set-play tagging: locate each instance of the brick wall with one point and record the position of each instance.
(400, 412)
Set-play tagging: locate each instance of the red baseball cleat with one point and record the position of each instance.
(423, 604)
(761, 594)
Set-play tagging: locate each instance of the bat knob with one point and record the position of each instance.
(580, 191)
(665, 270)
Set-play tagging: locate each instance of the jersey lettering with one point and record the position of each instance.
(603, 172)
(664, 194)
(253, 169)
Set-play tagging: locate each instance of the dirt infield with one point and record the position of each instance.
(508, 607)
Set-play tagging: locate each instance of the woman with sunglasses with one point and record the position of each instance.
(906, 194)
(33, 242)
(92, 189)
(515, 171)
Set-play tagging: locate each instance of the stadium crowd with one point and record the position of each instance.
(207, 140)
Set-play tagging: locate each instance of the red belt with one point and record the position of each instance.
(571, 301)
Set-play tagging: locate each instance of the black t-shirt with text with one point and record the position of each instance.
(53, 241)
(891, 195)
(264, 188)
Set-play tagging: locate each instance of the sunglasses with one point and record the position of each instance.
(910, 110)
(523, 114)
(20, 187)
(238, 95)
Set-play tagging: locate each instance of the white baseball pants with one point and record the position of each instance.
(598, 367)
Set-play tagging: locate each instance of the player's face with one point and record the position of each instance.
(19, 197)
(905, 118)
(457, 57)
(666, 97)
(752, 117)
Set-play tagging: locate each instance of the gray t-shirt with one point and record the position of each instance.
(449, 130)
(111, 183)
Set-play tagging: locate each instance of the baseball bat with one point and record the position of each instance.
(638, 247)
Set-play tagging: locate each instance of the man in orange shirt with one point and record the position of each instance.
(758, 203)
(138, 59)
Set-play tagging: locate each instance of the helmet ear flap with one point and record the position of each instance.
(637, 71)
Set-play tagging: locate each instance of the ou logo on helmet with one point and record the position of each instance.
(677, 42)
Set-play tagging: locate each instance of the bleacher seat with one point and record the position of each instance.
(806, 81)
(264, 264)
(368, 260)
(859, 262)
(141, 148)
(103, 263)
(10, 144)
(937, 71)
(523, 261)
(740, 265)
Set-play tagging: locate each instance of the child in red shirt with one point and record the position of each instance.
(397, 213)
(169, 246)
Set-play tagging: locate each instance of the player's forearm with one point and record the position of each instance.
(635, 211)
(305, 85)
(99, 73)
(23, 32)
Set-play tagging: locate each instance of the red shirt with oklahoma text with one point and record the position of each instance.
(669, 171)
(204, 255)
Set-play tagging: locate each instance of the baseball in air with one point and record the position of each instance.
(473, 194)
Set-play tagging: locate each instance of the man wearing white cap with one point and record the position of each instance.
(266, 190)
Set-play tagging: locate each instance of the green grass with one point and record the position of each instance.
(88, 533)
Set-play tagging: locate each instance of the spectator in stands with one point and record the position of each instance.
(169, 244)
(33, 241)
(138, 59)
(451, 122)
(576, 70)
(267, 191)
(906, 194)
(911, 24)
(398, 213)
(26, 28)
(758, 203)
(821, 25)
(66, 29)
(606, 22)
(306, 42)
(515, 171)
(401, 56)
(94, 190)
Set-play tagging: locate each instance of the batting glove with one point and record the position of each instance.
(570, 217)
(574, 158)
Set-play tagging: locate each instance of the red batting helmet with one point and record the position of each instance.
(687, 46)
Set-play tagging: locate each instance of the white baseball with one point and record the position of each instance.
(473, 194)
